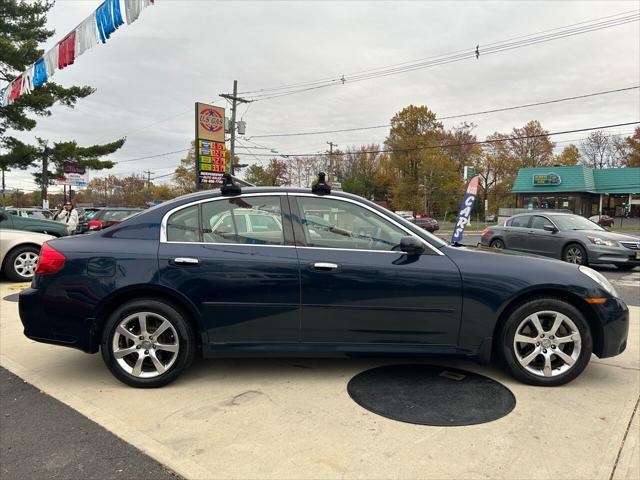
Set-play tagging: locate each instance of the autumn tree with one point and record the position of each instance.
(363, 172)
(531, 146)
(184, 176)
(496, 167)
(570, 155)
(274, 174)
(413, 131)
(633, 154)
(463, 150)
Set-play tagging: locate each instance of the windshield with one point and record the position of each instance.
(575, 222)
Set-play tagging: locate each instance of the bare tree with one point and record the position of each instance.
(602, 151)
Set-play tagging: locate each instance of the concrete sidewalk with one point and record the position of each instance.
(294, 419)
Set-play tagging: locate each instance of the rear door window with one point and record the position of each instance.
(522, 221)
(231, 220)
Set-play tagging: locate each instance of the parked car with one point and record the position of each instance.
(105, 217)
(565, 236)
(602, 220)
(406, 214)
(429, 224)
(30, 212)
(19, 252)
(31, 224)
(151, 291)
(492, 217)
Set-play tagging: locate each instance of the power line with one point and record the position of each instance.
(449, 117)
(478, 142)
(527, 40)
(339, 79)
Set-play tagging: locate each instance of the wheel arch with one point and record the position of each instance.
(594, 325)
(570, 242)
(14, 248)
(151, 292)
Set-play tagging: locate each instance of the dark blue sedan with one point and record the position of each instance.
(290, 272)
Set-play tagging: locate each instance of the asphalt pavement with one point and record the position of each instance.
(42, 438)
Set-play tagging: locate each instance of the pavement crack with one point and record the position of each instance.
(624, 438)
(635, 369)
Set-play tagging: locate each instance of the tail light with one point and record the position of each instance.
(50, 260)
(95, 225)
(486, 233)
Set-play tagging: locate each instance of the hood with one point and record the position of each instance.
(606, 235)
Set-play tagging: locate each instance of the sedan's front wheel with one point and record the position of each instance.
(545, 342)
(147, 343)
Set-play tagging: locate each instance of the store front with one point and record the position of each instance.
(580, 190)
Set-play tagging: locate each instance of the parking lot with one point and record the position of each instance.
(293, 418)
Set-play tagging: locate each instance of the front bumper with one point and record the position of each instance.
(621, 255)
(44, 321)
(614, 318)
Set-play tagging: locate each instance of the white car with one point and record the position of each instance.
(19, 252)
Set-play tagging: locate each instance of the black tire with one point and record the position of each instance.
(185, 339)
(625, 266)
(497, 243)
(9, 263)
(576, 254)
(506, 348)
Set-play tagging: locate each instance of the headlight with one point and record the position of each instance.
(599, 279)
(602, 241)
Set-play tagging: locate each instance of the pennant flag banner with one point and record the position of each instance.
(465, 209)
(94, 29)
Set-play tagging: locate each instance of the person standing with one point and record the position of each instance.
(68, 215)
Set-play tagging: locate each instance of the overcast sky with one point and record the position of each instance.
(150, 73)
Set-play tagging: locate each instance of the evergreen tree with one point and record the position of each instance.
(22, 29)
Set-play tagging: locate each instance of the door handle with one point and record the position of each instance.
(325, 267)
(186, 261)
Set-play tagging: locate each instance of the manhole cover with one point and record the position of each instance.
(431, 395)
(12, 298)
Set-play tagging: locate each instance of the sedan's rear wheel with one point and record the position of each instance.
(147, 343)
(20, 265)
(575, 254)
(546, 342)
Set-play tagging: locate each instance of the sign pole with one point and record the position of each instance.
(196, 150)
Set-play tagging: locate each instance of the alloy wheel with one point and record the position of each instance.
(574, 255)
(547, 343)
(145, 345)
(498, 244)
(25, 264)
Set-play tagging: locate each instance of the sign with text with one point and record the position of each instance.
(465, 210)
(211, 154)
(547, 179)
(209, 122)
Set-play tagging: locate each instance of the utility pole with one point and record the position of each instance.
(4, 187)
(234, 103)
(331, 145)
(45, 178)
(149, 173)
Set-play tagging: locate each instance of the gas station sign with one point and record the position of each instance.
(210, 149)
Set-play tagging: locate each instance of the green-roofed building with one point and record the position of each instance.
(582, 190)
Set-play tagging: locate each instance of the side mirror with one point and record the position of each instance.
(3, 217)
(550, 228)
(411, 245)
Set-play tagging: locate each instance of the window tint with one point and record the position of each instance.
(182, 226)
(522, 221)
(539, 222)
(225, 221)
(336, 224)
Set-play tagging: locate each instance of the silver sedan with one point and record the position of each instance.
(565, 236)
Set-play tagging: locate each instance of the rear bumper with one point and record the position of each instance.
(45, 323)
(614, 315)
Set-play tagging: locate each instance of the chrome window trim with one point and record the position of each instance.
(385, 217)
(163, 224)
(165, 218)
